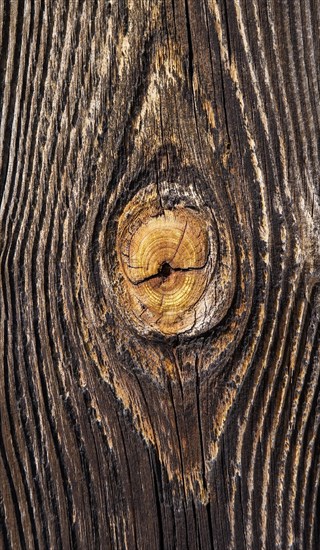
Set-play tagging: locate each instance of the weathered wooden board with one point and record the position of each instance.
(121, 428)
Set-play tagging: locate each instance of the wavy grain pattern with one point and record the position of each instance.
(111, 439)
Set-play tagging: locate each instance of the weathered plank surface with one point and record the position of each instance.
(113, 436)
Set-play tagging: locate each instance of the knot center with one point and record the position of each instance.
(165, 270)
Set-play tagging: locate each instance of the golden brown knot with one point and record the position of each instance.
(165, 260)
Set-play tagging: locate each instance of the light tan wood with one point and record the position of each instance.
(164, 259)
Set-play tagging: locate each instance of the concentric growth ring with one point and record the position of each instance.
(167, 261)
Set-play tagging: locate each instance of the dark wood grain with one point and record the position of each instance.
(111, 436)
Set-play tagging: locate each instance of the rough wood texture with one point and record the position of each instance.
(112, 437)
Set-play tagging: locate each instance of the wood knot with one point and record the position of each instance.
(163, 257)
(166, 258)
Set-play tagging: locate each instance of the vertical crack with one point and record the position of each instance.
(189, 41)
(180, 241)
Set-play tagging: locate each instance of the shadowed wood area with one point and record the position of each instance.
(160, 274)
